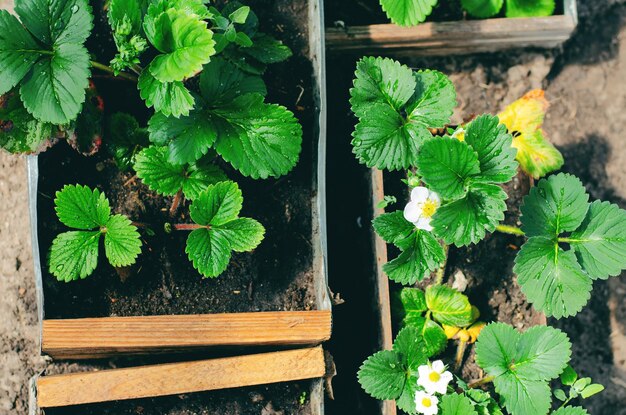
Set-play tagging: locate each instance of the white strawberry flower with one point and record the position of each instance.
(422, 207)
(434, 377)
(425, 403)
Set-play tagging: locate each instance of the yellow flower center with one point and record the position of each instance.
(434, 377)
(426, 402)
(429, 208)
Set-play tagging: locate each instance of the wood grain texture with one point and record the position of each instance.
(382, 282)
(108, 336)
(447, 38)
(177, 378)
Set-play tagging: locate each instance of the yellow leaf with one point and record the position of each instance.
(523, 119)
(474, 331)
(450, 331)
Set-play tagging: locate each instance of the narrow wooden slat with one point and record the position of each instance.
(382, 282)
(177, 378)
(444, 38)
(102, 337)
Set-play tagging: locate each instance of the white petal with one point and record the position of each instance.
(425, 383)
(419, 194)
(446, 377)
(439, 387)
(413, 211)
(435, 198)
(438, 366)
(423, 223)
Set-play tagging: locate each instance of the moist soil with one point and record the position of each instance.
(278, 275)
(367, 12)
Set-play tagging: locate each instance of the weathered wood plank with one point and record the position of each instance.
(382, 282)
(445, 38)
(108, 336)
(177, 378)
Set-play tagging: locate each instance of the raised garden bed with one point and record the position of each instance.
(364, 28)
(274, 296)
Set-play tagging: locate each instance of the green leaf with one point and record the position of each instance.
(529, 8)
(406, 401)
(410, 345)
(258, 139)
(408, 12)
(82, 208)
(489, 139)
(434, 336)
(243, 234)
(186, 43)
(433, 101)
(422, 254)
(551, 278)
(15, 60)
(446, 165)
(74, 255)
(413, 301)
(394, 229)
(218, 205)
(591, 390)
(482, 8)
(119, 10)
(569, 376)
(168, 98)
(522, 364)
(240, 15)
(154, 169)
(466, 220)
(56, 21)
(208, 251)
(560, 395)
(267, 49)
(126, 139)
(122, 242)
(600, 241)
(188, 138)
(557, 204)
(20, 132)
(221, 82)
(455, 404)
(448, 306)
(383, 375)
(570, 410)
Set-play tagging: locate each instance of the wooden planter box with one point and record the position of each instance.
(456, 38)
(87, 338)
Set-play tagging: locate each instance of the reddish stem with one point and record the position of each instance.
(188, 226)
(176, 202)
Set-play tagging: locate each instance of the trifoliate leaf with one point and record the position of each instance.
(523, 118)
(448, 306)
(394, 229)
(122, 242)
(600, 241)
(188, 138)
(422, 254)
(267, 49)
(489, 139)
(434, 336)
(523, 364)
(383, 375)
(570, 410)
(126, 139)
(466, 220)
(186, 43)
(408, 12)
(208, 251)
(154, 169)
(482, 8)
(74, 255)
(20, 132)
(551, 278)
(218, 205)
(82, 208)
(50, 62)
(433, 101)
(221, 82)
(410, 345)
(529, 8)
(168, 98)
(557, 204)
(446, 166)
(455, 404)
(258, 139)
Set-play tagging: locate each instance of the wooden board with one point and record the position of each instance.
(101, 337)
(177, 378)
(382, 282)
(448, 38)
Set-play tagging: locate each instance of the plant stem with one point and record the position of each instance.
(176, 202)
(460, 352)
(480, 382)
(137, 69)
(188, 226)
(110, 70)
(511, 230)
(441, 272)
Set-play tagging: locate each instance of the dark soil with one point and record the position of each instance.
(368, 12)
(278, 275)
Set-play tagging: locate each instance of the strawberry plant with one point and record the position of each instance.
(413, 12)
(455, 176)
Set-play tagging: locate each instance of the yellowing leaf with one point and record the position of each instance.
(468, 335)
(523, 119)
(451, 331)
(474, 330)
